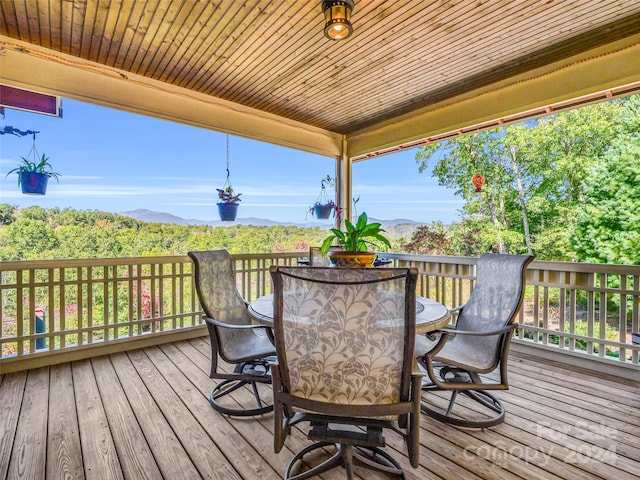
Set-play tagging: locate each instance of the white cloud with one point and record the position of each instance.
(80, 177)
(423, 202)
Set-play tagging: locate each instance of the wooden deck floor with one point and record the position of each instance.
(145, 414)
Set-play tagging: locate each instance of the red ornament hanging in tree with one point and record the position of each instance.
(478, 182)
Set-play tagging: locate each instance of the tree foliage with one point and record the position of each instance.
(608, 222)
(551, 184)
(430, 240)
(37, 233)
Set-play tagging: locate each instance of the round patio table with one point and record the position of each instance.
(430, 315)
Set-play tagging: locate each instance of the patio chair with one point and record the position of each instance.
(478, 344)
(316, 259)
(344, 339)
(233, 338)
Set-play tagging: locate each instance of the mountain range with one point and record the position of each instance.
(400, 225)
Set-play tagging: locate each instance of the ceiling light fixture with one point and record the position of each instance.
(337, 15)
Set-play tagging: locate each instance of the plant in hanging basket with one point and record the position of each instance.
(228, 202)
(354, 241)
(33, 175)
(323, 208)
(227, 195)
(322, 211)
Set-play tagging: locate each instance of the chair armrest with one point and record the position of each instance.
(231, 326)
(500, 331)
(457, 309)
(455, 313)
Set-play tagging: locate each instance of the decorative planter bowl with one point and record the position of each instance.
(34, 183)
(228, 211)
(322, 212)
(351, 259)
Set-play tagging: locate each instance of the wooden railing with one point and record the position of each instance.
(51, 308)
(575, 307)
(55, 306)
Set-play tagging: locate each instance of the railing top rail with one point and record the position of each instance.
(535, 265)
(429, 258)
(89, 262)
(12, 265)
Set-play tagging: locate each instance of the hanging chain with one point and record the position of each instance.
(34, 150)
(227, 157)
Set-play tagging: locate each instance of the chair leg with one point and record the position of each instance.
(347, 453)
(452, 400)
(346, 456)
(228, 386)
(336, 460)
(247, 370)
(377, 459)
(455, 375)
(482, 397)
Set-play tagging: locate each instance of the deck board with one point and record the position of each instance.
(171, 457)
(28, 460)
(11, 393)
(136, 458)
(64, 454)
(99, 453)
(146, 414)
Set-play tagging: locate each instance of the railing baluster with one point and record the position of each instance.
(562, 315)
(563, 300)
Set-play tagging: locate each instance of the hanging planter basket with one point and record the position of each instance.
(323, 208)
(34, 183)
(34, 172)
(227, 211)
(228, 200)
(322, 212)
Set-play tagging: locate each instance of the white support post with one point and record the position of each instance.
(344, 187)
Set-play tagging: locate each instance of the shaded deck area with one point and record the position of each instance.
(145, 414)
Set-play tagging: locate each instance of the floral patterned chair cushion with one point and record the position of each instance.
(344, 341)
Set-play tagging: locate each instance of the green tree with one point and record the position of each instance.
(28, 239)
(430, 240)
(7, 213)
(458, 160)
(608, 225)
(535, 177)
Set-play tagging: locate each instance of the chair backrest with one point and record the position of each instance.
(316, 259)
(494, 302)
(345, 336)
(218, 294)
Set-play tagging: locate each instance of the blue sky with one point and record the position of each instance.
(117, 161)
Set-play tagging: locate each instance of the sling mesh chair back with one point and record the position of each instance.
(316, 259)
(345, 344)
(479, 343)
(233, 338)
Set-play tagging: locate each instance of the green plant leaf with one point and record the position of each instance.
(362, 221)
(353, 238)
(326, 245)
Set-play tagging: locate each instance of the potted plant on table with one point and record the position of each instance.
(354, 241)
(33, 176)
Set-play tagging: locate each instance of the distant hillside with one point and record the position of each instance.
(395, 228)
(160, 217)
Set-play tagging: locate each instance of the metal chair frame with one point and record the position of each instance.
(447, 371)
(353, 430)
(247, 346)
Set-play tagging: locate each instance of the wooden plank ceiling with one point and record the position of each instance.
(272, 55)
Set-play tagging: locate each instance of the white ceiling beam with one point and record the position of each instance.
(593, 71)
(24, 65)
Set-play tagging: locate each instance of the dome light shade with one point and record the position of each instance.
(337, 15)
